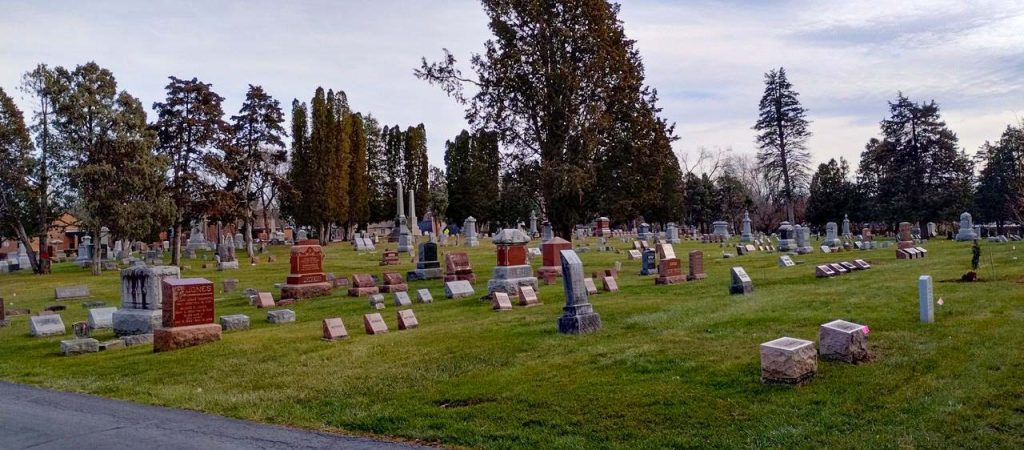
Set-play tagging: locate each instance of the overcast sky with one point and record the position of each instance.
(706, 58)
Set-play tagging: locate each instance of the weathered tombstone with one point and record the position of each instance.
(188, 313)
(377, 301)
(281, 316)
(457, 267)
(389, 258)
(741, 282)
(843, 341)
(265, 300)
(745, 229)
(548, 233)
(458, 289)
(550, 251)
(234, 322)
(393, 283)
(721, 230)
(966, 232)
(229, 285)
(501, 302)
(672, 233)
(82, 343)
(533, 223)
(528, 296)
(696, 266)
(831, 238)
(71, 292)
(101, 318)
(142, 299)
(306, 277)
(362, 284)
(374, 324)
(846, 226)
(647, 264)
(402, 299)
(589, 284)
(512, 269)
(424, 296)
(407, 320)
(48, 325)
(788, 360)
(469, 229)
(334, 329)
(803, 240)
(634, 255)
(578, 314)
(925, 304)
(786, 261)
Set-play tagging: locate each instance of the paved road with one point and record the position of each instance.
(42, 419)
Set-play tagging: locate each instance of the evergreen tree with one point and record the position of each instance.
(1000, 191)
(381, 187)
(300, 175)
(782, 137)
(258, 149)
(832, 194)
(337, 178)
(17, 194)
(699, 197)
(458, 178)
(552, 83)
(359, 187)
(916, 171)
(438, 194)
(191, 129)
(417, 167)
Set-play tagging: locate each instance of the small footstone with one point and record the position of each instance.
(137, 339)
(843, 341)
(334, 329)
(234, 322)
(281, 316)
(788, 361)
(501, 302)
(424, 296)
(407, 320)
(79, 346)
(111, 345)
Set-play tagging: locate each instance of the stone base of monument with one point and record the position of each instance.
(788, 361)
(228, 265)
(787, 245)
(130, 322)
(167, 339)
(305, 290)
(470, 277)
(507, 279)
(472, 242)
(79, 346)
(696, 277)
(392, 288)
(672, 279)
(424, 274)
(546, 271)
(801, 250)
(359, 292)
(843, 341)
(579, 319)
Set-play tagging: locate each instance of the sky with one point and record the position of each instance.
(707, 59)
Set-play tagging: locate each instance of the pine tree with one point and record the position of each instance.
(299, 173)
(17, 193)
(191, 129)
(381, 188)
(359, 187)
(782, 137)
(831, 194)
(417, 166)
(1000, 193)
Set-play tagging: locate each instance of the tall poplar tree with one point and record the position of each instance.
(359, 188)
(782, 137)
(300, 175)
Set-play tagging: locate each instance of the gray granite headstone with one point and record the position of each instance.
(458, 289)
(402, 299)
(70, 292)
(424, 296)
(925, 299)
(49, 325)
(741, 282)
(281, 316)
(101, 318)
(234, 322)
(578, 314)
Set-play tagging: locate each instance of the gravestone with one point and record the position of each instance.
(601, 227)
(843, 341)
(227, 254)
(457, 267)
(862, 264)
(528, 296)
(548, 233)
(591, 287)
(234, 322)
(609, 284)
(551, 262)
(334, 329)
(265, 300)
(362, 284)
(229, 285)
(424, 296)
(846, 227)
(393, 283)
(306, 277)
(787, 233)
(838, 268)
(669, 268)
(826, 249)
(578, 315)
(101, 318)
(469, 229)
(281, 316)
(925, 303)
(389, 258)
(672, 233)
(647, 264)
(745, 230)
(786, 261)
(71, 292)
(84, 251)
(721, 230)
(533, 223)
(82, 343)
(634, 254)
(645, 231)
(374, 324)
(402, 299)
(831, 238)
(512, 269)
(142, 299)
(407, 320)
(824, 271)
(849, 266)
(458, 289)
(427, 265)
(501, 302)
(376, 301)
(188, 312)
(966, 232)
(803, 240)
(49, 325)
(696, 266)
(788, 361)
(741, 282)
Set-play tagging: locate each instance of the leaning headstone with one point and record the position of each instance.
(424, 296)
(188, 312)
(374, 324)
(741, 282)
(71, 292)
(578, 314)
(281, 316)
(458, 289)
(843, 341)
(407, 320)
(101, 318)
(234, 322)
(49, 325)
(925, 304)
(788, 361)
(528, 296)
(334, 329)
(589, 284)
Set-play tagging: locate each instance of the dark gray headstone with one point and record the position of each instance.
(578, 315)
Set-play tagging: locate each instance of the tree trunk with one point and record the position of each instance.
(176, 245)
(23, 237)
(96, 250)
(247, 231)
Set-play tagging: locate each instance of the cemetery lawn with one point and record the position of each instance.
(674, 366)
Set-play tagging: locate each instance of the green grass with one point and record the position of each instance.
(674, 366)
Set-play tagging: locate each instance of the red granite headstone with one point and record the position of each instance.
(457, 267)
(334, 329)
(551, 251)
(187, 301)
(696, 266)
(512, 255)
(362, 284)
(407, 319)
(374, 324)
(306, 276)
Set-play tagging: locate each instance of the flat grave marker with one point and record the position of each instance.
(374, 324)
(334, 329)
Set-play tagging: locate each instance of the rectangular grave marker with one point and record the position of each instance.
(402, 299)
(424, 296)
(407, 320)
(501, 302)
(48, 325)
(334, 329)
(187, 301)
(71, 292)
(589, 284)
(374, 324)
(527, 296)
(925, 297)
